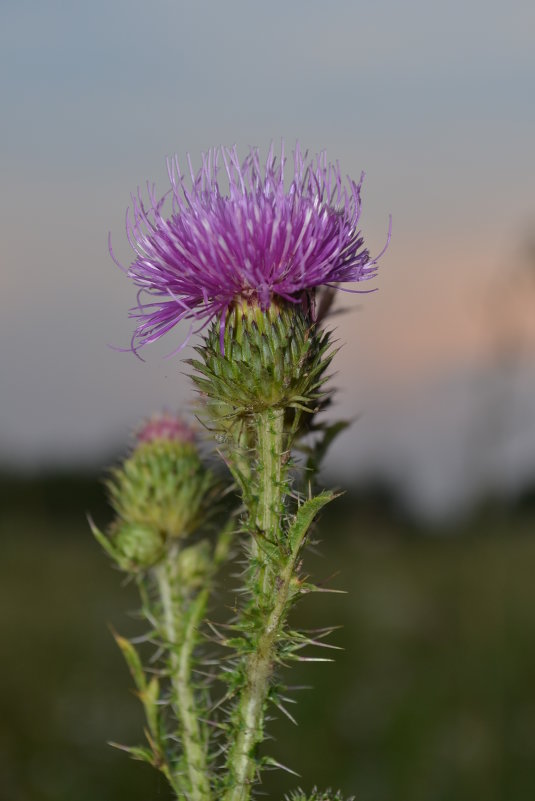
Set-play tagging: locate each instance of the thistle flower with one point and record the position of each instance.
(246, 238)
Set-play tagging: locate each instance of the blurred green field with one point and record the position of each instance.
(432, 699)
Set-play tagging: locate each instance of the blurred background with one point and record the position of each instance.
(433, 696)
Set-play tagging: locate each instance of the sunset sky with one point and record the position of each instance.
(434, 101)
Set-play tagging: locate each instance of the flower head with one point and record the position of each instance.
(236, 233)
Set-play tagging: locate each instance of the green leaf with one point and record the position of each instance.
(133, 661)
(304, 517)
(102, 539)
(137, 752)
(224, 541)
(149, 697)
(330, 433)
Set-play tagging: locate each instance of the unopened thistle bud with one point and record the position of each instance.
(195, 564)
(163, 483)
(137, 546)
(317, 795)
(158, 493)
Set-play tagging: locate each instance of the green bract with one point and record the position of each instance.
(274, 359)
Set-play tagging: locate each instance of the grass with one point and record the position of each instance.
(432, 699)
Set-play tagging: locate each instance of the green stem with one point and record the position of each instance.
(181, 639)
(243, 762)
(273, 588)
(270, 434)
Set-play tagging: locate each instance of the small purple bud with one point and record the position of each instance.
(162, 487)
(165, 426)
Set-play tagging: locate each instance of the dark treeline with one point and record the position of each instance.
(67, 493)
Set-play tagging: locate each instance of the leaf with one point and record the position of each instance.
(102, 539)
(137, 752)
(149, 697)
(321, 447)
(273, 763)
(304, 517)
(133, 661)
(224, 541)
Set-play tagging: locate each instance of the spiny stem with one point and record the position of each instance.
(270, 432)
(273, 590)
(181, 641)
(243, 763)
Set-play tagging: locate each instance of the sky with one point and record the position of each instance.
(434, 101)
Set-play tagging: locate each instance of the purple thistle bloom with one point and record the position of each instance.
(252, 239)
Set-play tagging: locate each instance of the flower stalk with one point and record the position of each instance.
(180, 625)
(243, 762)
(270, 437)
(258, 389)
(272, 594)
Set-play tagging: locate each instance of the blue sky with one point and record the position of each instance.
(434, 101)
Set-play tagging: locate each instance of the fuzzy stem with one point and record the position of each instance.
(181, 641)
(273, 588)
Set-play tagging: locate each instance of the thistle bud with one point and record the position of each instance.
(158, 493)
(195, 563)
(317, 795)
(137, 547)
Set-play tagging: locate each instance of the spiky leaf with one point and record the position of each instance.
(304, 517)
(133, 661)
